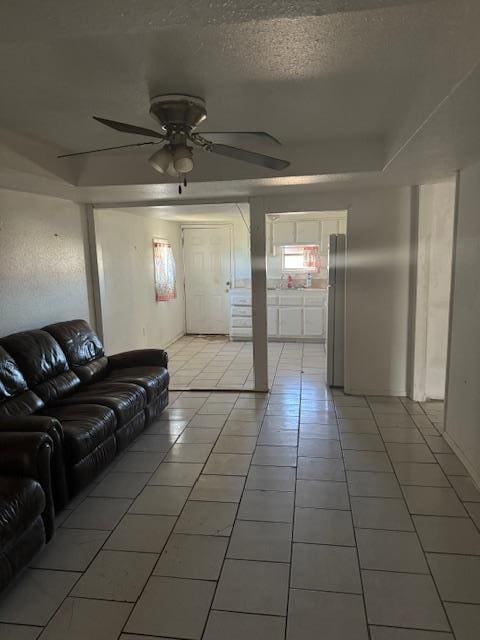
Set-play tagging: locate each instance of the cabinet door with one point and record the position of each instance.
(308, 232)
(290, 321)
(283, 233)
(328, 227)
(272, 321)
(314, 322)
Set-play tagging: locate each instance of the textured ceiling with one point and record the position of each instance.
(344, 84)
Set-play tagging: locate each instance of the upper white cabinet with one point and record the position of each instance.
(308, 231)
(283, 233)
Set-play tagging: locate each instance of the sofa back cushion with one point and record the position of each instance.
(82, 346)
(42, 363)
(15, 396)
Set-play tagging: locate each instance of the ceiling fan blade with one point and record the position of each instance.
(249, 156)
(123, 146)
(262, 136)
(129, 128)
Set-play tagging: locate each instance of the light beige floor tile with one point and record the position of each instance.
(323, 526)
(35, 596)
(197, 435)
(450, 464)
(218, 488)
(465, 488)
(473, 509)
(437, 444)
(319, 448)
(253, 587)
(435, 501)
(394, 420)
(71, 550)
(268, 541)
(381, 513)
(160, 500)
(389, 633)
(320, 469)
(416, 473)
(325, 568)
(238, 428)
(139, 461)
(322, 494)
(402, 435)
(362, 442)
(217, 408)
(152, 442)
(235, 444)
(239, 626)
(390, 551)
(98, 513)
(323, 431)
(275, 456)
(188, 453)
(234, 464)
(355, 413)
(207, 518)
(190, 556)
(448, 535)
(269, 506)
(373, 484)
(278, 438)
(176, 474)
(267, 478)
(457, 577)
(366, 461)
(347, 425)
(120, 485)
(339, 616)
(400, 452)
(172, 607)
(141, 533)
(19, 632)
(207, 421)
(465, 620)
(80, 618)
(403, 600)
(116, 575)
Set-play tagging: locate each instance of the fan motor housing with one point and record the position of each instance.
(178, 112)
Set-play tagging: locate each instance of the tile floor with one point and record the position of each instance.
(300, 515)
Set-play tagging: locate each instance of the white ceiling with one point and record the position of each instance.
(381, 90)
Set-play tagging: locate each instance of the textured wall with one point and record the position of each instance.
(131, 317)
(43, 272)
(463, 378)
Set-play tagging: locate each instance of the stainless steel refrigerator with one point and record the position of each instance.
(336, 309)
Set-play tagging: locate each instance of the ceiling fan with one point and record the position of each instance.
(179, 115)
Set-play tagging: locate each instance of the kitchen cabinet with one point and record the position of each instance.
(283, 233)
(314, 321)
(308, 232)
(272, 321)
(290, 321)
(328, 227)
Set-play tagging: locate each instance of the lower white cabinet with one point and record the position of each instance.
(290, 315)
(290, 322)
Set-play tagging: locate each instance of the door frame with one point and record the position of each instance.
(206, 225)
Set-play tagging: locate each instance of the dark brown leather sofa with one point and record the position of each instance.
(26, 505)
(59, 382)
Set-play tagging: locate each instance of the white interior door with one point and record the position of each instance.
(207, 259)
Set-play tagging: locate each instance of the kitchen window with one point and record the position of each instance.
(300, 259)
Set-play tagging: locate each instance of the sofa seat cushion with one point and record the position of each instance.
(21, 501)
(85, 427)
(153, 379)
(126, 400)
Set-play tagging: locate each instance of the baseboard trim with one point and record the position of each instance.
(475, 474)
(177, 337)
(375, 392)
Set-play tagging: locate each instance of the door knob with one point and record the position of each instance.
(228, 283)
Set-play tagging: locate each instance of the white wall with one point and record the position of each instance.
(43, 272)
(132, 319)
(433, 277)
(463, 377)
(377, 298)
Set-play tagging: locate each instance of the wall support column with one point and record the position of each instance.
(259, 292)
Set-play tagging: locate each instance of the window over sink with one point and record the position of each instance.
(300, 258)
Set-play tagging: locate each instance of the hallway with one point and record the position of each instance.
(298, 514)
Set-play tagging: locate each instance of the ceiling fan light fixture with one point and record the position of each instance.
(171, 171)
(183, 159)
(161, 160)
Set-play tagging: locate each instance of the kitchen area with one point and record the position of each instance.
(297, 246)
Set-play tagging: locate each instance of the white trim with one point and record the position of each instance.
(461, 456)
(177, 337)
(258, 261)
(376, 392)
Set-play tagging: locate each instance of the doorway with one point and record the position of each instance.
(207, 255)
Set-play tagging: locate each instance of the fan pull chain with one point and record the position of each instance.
(184, 184)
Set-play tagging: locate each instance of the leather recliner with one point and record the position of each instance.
(59, 380)
(26, 504)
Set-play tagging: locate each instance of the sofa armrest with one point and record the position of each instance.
(28, 455)
(53, 428)
(139, 358)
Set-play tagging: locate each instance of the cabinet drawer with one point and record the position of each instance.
(241, 300)
(290, 322)
(238, 321)
(315, 301)
(242, 311)
(241, 331)
(291, 300)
